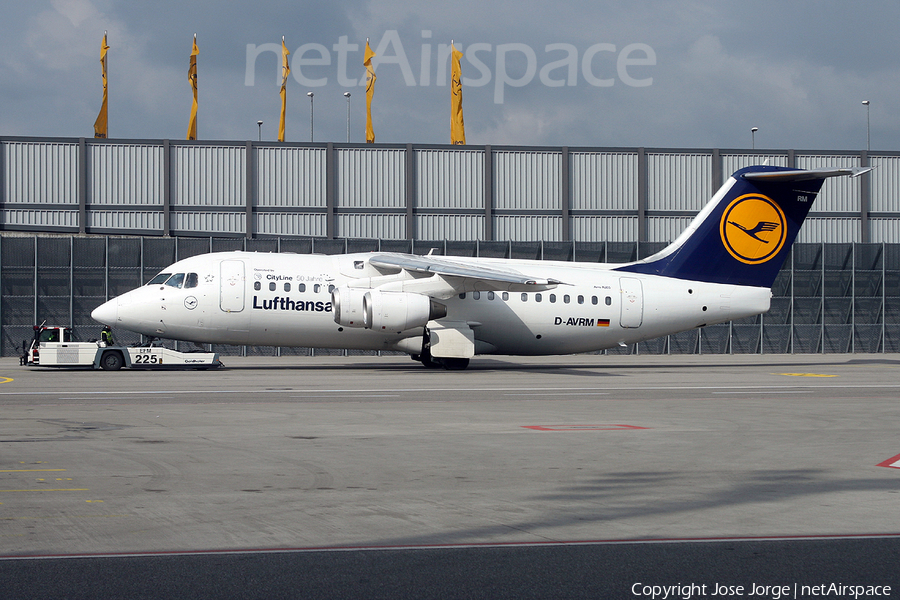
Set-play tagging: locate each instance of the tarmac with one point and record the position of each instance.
(530, 460)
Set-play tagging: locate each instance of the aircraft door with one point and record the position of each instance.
(231, 285)
(632, 298)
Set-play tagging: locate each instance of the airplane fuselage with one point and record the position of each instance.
(246, 298)
(444, 310)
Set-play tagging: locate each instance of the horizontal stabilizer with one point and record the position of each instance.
(804, 175)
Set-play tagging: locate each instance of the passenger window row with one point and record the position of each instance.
(538, 297)
(191, 280)
(301, 287)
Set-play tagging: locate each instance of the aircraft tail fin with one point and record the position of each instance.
(745, 232)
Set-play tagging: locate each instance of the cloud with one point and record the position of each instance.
(721, 67)
(58, 38)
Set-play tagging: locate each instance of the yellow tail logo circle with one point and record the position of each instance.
(753, 228)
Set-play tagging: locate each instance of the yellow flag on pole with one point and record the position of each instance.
(457, 127)
(100, 125)
(192, 79)
(370, 91)
(285, 71)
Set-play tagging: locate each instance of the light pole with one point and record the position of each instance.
(347, 96)
(259, 125)
(753, 131)
(310, 94)
(868, 139)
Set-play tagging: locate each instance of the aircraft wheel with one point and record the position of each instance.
(455, 364)
(111, 361)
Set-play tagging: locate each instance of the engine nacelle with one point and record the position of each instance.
(347, 304)
(399, 311)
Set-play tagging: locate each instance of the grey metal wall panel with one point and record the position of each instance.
(290, 176)
(885, 230)
(666, 229)
(604, 229)
(885, 184)
(733, 162)
(678, 181)
(526, 188)
(527, 180)
(450, 227)
(209, 175)
(603, 180)
(40, 172)
(368, 225)
(127, 221)
(830, 229)
(209, 222)
(125, 174)
(450, 178)
(371, 178)
(291, 224)
(838, 194)
(527, 228)
(49, 218)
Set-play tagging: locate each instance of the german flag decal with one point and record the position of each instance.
(602, 322)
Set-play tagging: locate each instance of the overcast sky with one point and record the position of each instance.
(689, 74)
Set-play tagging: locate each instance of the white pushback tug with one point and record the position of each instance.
(56, 346)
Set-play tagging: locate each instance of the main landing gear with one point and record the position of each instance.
(437, 362)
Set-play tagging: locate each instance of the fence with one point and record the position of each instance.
(828, 298)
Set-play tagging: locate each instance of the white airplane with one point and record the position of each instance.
(445, 310)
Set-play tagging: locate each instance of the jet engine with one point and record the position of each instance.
(399, 311)
(347, 304)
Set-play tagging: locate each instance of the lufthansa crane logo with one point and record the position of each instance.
(753, 228)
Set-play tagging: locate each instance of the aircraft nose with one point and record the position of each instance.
(107, 313)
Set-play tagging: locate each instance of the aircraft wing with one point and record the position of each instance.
(462, 276)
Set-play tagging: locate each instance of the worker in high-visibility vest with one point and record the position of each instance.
(106, 336)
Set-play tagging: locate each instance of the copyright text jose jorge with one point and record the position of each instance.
(687, 591)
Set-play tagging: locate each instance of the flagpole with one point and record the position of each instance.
(457, 125)
(370, 91)
(192, 79)
(285, 71)
(101, 125)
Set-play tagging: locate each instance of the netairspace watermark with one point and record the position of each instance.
(794, 591)
(559, 65)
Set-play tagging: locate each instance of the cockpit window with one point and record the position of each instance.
(176, 280)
